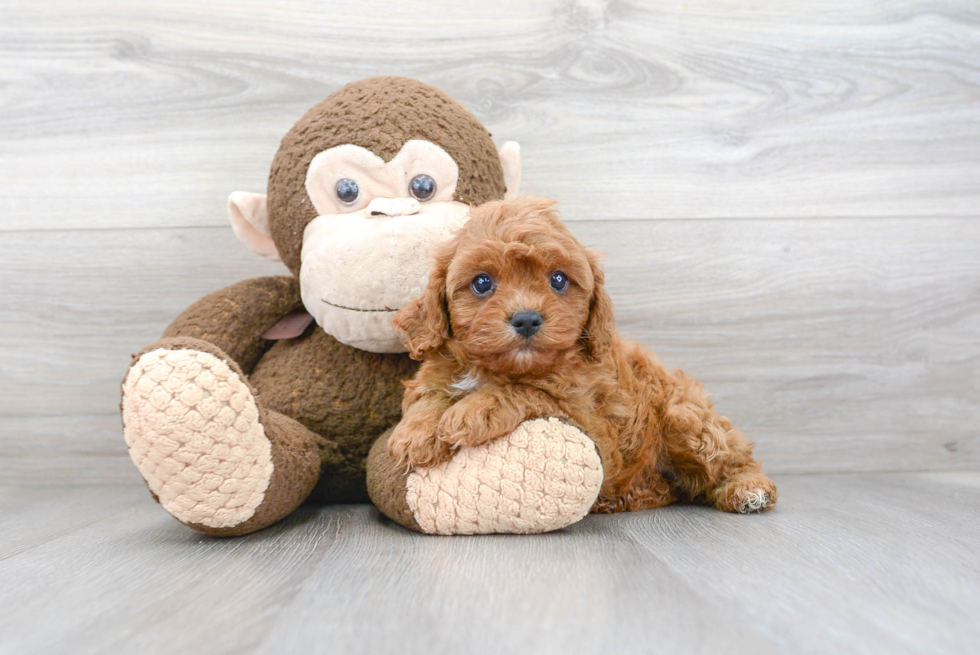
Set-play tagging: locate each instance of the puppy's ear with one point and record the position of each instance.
(424, 322)
(600, 328)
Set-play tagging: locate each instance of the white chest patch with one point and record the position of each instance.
(467, 383)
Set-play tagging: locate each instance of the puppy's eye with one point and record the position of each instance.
(482, 284)
(559, 281)
(422, 187)
(347, 191)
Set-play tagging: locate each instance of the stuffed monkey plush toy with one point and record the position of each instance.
(273, 390)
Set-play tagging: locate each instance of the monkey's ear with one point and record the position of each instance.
(510, 161)
(249, 216)
(600, 328)
(424, 322)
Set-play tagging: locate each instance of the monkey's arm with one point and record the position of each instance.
(493, 411)
(234, 318)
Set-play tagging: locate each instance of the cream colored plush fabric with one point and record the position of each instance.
(363, 262)
(193, 431)
(543, 476)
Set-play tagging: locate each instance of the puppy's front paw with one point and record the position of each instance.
(473, 421)
(414, 445)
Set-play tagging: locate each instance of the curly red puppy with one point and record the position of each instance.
(514, 325)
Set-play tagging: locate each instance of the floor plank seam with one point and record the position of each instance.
(56, 536)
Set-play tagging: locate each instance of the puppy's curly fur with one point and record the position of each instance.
(659, 437)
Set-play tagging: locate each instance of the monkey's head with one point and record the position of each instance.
(362, 187)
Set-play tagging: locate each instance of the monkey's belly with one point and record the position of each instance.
(348, 396)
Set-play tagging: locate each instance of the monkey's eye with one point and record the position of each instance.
(347, 191)
(422, 187)
(559, 281)
(482, 284)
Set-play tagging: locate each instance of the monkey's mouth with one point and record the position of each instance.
(357, 309)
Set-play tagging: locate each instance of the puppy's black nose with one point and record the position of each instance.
(526, 322)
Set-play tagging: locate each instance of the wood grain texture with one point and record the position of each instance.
(840, 333)
(78, 304)
(147, 114)
(851, 564)
(64, 449)
(835, 344)
(32, 516)
(846, 564)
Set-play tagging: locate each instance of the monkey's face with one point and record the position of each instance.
(361, 188)
(365, 255)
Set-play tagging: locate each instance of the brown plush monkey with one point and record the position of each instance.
(274, 389)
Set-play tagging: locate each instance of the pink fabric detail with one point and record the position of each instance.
(289, 326)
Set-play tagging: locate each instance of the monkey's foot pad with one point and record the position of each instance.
(543, 476)
(193, 430)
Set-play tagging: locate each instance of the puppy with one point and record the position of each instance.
(514, 325)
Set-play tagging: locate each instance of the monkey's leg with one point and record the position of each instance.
(543, 476)
(712, 460)
(210, 454)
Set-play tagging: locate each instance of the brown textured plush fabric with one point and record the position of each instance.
(322, 404)
(233, 318)
(296, 463)
(296, 469)
(347, 396)
(380, 114)
(386, 484)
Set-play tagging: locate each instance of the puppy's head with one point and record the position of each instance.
(512, 293)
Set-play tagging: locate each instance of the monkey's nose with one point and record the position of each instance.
(526, 322)
(393, 207)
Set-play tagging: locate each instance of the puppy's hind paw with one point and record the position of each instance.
(754, 500)
(747, 494)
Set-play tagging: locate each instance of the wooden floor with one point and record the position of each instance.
(848, 563)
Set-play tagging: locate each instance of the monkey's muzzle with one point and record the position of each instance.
(393, 207)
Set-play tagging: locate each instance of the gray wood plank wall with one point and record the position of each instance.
(788, 193)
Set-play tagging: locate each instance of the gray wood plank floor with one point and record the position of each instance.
(848, 563)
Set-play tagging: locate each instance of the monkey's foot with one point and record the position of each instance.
(543, 476)
(193, 431)
(746, 493)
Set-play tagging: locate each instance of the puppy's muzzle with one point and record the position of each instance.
(526, 322)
